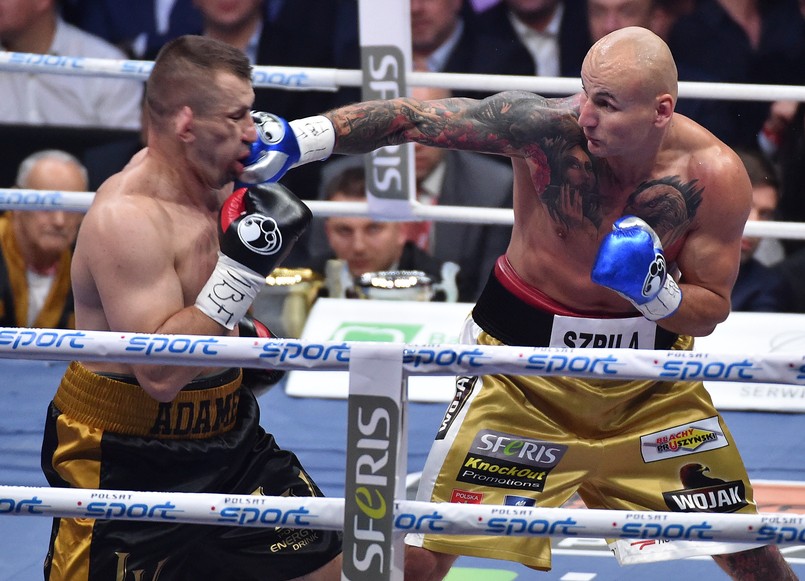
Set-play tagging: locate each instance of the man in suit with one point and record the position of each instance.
(450, 178)
(760, 288)
(364, 244)
(548, 36)
(513, 37)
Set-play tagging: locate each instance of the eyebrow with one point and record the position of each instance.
(606, 95)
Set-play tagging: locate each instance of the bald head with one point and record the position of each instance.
(635, 54)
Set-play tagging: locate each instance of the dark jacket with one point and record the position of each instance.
(760, 289)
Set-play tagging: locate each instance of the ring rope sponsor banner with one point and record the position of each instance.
(409, 516)
(757, 333)
(320, 79)
(24, 199)
(290, 78)
(199, 350)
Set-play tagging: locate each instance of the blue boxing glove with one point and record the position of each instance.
(631, 262)
(258, 226)
(281, 145)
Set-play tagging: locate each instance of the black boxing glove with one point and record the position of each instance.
(257, 228)
(258, 380)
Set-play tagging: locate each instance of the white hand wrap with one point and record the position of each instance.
(316, 138)
(229, 292)
(664, 304)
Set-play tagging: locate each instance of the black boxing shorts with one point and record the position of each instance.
(105, 433)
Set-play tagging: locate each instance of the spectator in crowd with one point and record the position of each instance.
(667, 12)
(364, 244)
(605, 16)
(137, 28)
(106, 159)
(451, 178)
(513, 37)
(788, 155)
(238, 23)
(278, 33)
(440, 39)
(58, 99)
(460, 178)
(792, 269)
(783, 140)
(739, 42)
(36, 247)
(759, 288)
(549, 35)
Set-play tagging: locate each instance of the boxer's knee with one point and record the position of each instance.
(424, 565)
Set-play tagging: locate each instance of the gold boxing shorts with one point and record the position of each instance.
(637, 445)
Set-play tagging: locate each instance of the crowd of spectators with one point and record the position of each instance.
(98, 119)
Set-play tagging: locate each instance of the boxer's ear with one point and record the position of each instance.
(183, 124)
(664, 110)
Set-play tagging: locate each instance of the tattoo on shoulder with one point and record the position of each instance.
(667, 204)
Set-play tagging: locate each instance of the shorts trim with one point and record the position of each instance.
(503, 312)
(124, 408)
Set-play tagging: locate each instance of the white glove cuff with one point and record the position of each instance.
(664, 304)
(229, 292)
(316, 138)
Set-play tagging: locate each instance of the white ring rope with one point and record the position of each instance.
(198, 350)
(309, 78)
(409, 516)
(24, 199)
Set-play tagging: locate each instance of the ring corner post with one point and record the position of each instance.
(376, 462)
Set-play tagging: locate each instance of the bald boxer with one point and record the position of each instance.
(590, 263)
(171, 246)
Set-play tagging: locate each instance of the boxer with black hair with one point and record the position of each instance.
(171, 246)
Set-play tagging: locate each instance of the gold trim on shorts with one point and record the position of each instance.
(125, 408)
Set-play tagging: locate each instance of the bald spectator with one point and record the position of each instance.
(58, 99)
(36, 247)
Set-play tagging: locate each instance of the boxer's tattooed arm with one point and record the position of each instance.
(509, 123)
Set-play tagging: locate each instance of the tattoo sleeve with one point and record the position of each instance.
(506, 123)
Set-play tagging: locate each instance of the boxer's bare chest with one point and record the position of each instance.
(580, 211)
